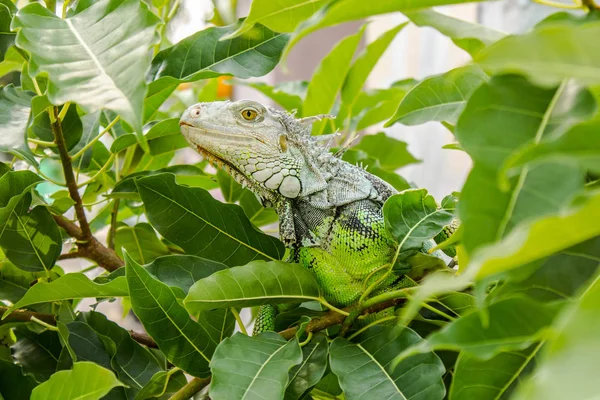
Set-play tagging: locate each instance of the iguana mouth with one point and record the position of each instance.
(216, 161)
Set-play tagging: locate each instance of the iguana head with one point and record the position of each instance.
(267, 150)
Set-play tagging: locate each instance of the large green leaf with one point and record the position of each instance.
(328, 79)
(31, 240)
(203, 226)
(71, 126)
(204, 55)
(548, 54)
(186, 343)
(511, 324)
(360, 70)
(280, 16)
(253, 368)
(310, 371)
(364, 368)
(439, 98)
(340, 11)
(7, 38)
(86, 381)
(15, 282)
(468, 36)
(15, 107)
(569, 359)
(141, 242)
(413, 217)
(13, 186)
(254, 284)
(491, 379)
(107, 73)
(13, 384)
(391, 153)
(375, 106)
(162, 383)
(70, 286)
(37, 354)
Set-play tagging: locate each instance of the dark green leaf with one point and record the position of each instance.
(13, 186)
(14, 116)
(71, 125)
(123, 142)
(7, 38)
(15, 282)
(13, 384)
(37, 354)
(255, 367)
(364, 368)
(391, 153)
(85, 381)
(439, 98)
(162, 383)
(165, 137)
(254, 284)
(140, 242)
(203, 226)
(158, 92)
(255, 211)
(308, 373)
(187, 344)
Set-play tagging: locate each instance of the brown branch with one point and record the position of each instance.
(70, 256)
(25, 316)
(143, 338)
(190, 389)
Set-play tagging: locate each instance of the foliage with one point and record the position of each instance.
(91, 95)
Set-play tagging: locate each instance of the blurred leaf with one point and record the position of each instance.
(15, 282)
(337, 12)
(13, 61)
(413, 216)
(375, 106)
(365, 366)
(203, 226)
(141, 242)
(468, 36)
(71, 127)
(328, 79)
(70, 286)
(162, 383)
(491, 379)
(391, 153)
(308, 373)
(107, 73)
(31, 239)
(280, 16)
(13, 384)
(165, 137)
(569, 359)
(361, 159)
(512, 324)
(548, 54)
(37, 354)
(289, 95)
(85, 381)
(439, 98)
(7, 38)
(14, 116)
(256, 213)
(246, 367)
(204, 55)
(187, 344)
(229, 187)
(254, 284)
(360, 71)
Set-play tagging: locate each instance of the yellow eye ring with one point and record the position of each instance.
(249, 114)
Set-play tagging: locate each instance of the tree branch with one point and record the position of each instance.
(25, 316)
(190, 389)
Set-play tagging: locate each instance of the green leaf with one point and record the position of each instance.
(71, 125)
(205, 55)
(413, 217)
(31, 240)
(37, 354)
(391, 153)
(13, 62)
(7, 38)
(548, 54)
(86, 381)
(375, 106)
(439, 98)
(158, 92)
(123, 142)
(14, 185)
(512, 324)
(360, 70)
(14, 116)
(364, 368)
(70, 286)
(308, 373)
(254, 284)
(255, 367)
(13, 384)
(96, 74)
(141, 242)
(255, 211)
(165, 137)
(162, 383)
(15, 282)
(289, 95)
(328, 79)
(568, 360)
(187, 344)
(203, 226)
(468, 36)
(337, 12)
(495, 378)
(281, 16)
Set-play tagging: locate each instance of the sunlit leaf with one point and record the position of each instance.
(141, 242)
(391, 153)
(15, 107)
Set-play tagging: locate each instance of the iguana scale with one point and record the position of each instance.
(329, 210)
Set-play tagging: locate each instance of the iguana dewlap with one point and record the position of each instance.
(329, 210)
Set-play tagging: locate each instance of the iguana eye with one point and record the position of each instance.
(249, 114)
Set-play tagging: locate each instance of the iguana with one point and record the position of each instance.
(329, 210)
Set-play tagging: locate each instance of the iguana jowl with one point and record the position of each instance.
(329, 210)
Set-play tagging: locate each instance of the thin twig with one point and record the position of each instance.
(189, 390)
(70, 256)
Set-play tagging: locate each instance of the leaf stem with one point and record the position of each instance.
(190, 389)
(559, 5)
(64, 8)
(239, 321)
(94, 140)
(394, 294)
(307, 340)
(63, 111)
(41, 142)
(332, 307)
(100, 172)
(44, 324)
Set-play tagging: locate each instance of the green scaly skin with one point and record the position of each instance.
(330, 210)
